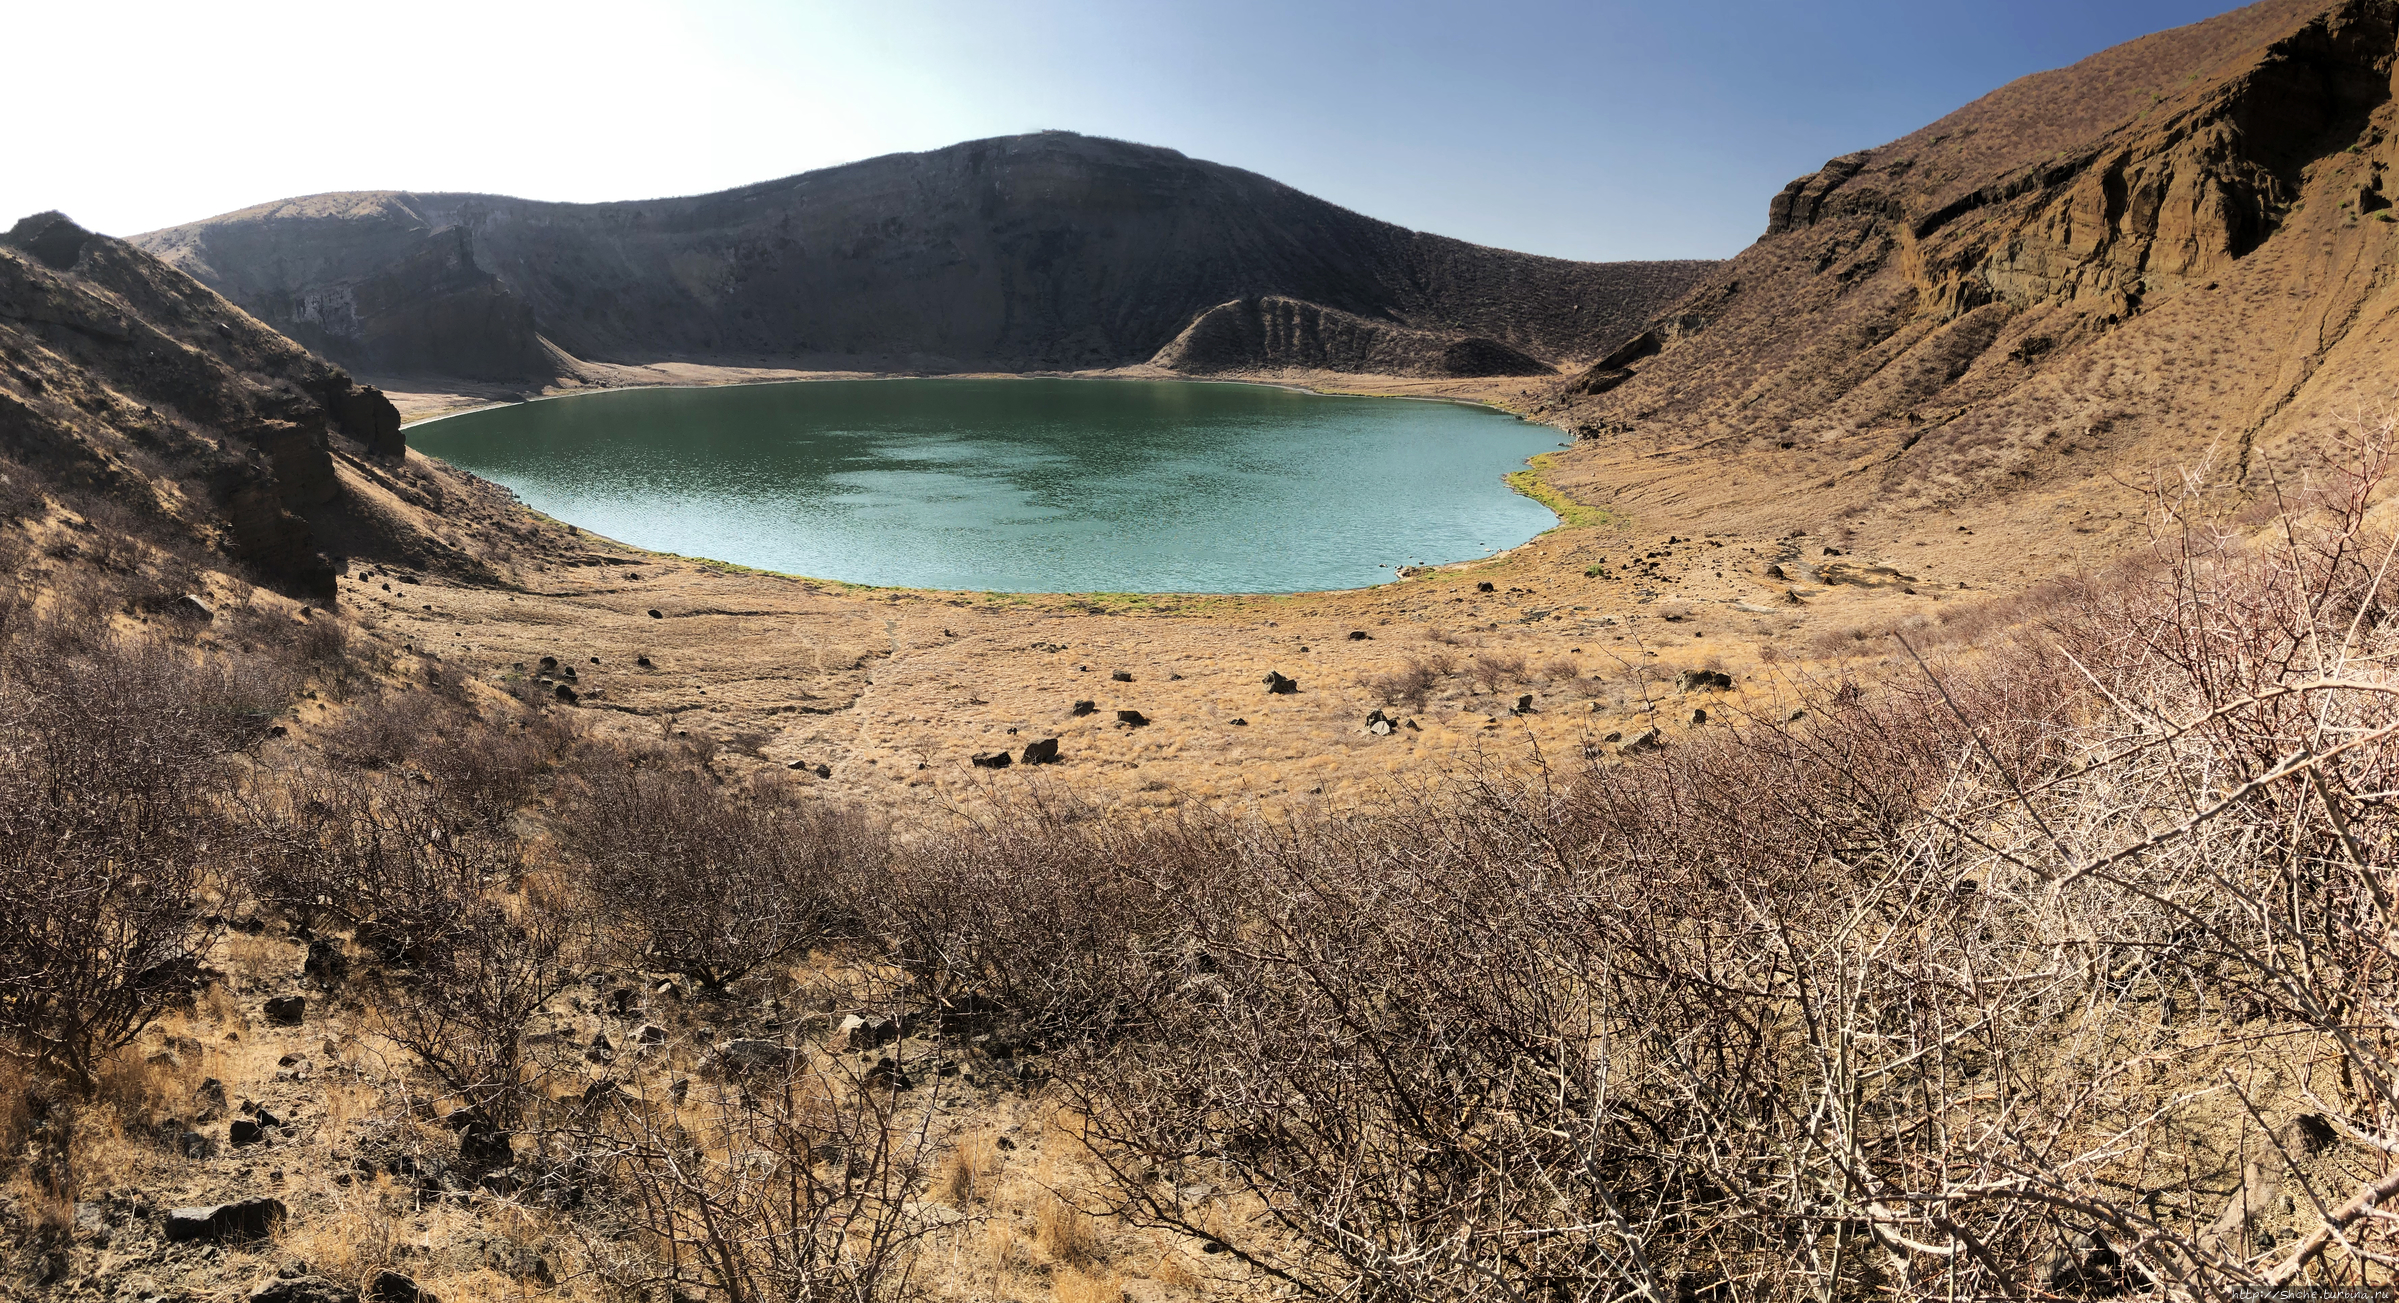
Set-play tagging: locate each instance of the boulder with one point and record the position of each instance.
(1083, 708)
(1122, 676)
(1645, 740)
(286, 1010)
(225, 1223)
(995, 760)
(650, 1034)
(1524, 704)
(244, 1132)
(1698, 717)
(1702, 681)
(1043, 752)
(189, 607)
(1485, 587)
(1279, 686)
(1132, 717)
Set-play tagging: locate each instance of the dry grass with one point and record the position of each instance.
(969, 1172)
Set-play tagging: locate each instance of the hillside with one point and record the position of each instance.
(152, 406)
(2174, 253)
(1049, 251)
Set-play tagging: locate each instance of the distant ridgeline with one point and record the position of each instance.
(1039, 252)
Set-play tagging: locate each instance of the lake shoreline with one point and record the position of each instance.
(1339, 487)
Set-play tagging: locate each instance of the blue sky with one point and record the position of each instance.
(1595, 130)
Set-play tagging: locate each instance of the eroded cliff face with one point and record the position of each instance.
(1051, 251)
(1276, 333)
(126, 381)
(2176, 252)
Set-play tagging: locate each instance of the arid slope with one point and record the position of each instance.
(2176, 253)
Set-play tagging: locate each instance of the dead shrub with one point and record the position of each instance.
(799, 1186)
(463, 1012)
(383, 855)
(1407, 686)
(112, 831)
(1493, 671)
(694, 880)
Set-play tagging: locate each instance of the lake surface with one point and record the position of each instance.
(1020, 485)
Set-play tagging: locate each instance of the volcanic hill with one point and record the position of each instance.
(1041, 252)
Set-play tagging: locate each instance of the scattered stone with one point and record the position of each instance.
(995, 760)
(1043, 752)
(549, 665)
(1645, 740)
(326, 962)
(286, 1010)
(225, 1223)
(1485, 587)
(244, 1133)
(1359, 635)
(1702, 681)
(1613, 737)
(1775, 572)
(1524, 704)
(483, 1147)
(303, 1289)
(180, 1139)
(752, 1055)
(1083, 708)
(655, 615)
(1238, 722)
(566, 694)
(1132, 717)
(1698, 717)
(650, 1034)
(823, 770)
(858, 1032)
(392, 1287)
(1380, 724)
(210, 1096)
(1795, 716)
(642, 661)
(189, 607)
(1122, 676)
(1278, 686)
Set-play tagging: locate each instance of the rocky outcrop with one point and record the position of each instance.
(2008, 299)
(1048, 251)
(1271, 333)
(124, 379)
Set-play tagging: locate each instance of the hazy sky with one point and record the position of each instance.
(1595, 130)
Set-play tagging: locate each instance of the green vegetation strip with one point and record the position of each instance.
(1533, 482)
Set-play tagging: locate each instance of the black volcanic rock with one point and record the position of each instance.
(1046, 251)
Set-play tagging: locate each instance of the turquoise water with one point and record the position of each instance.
(1020, 485)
